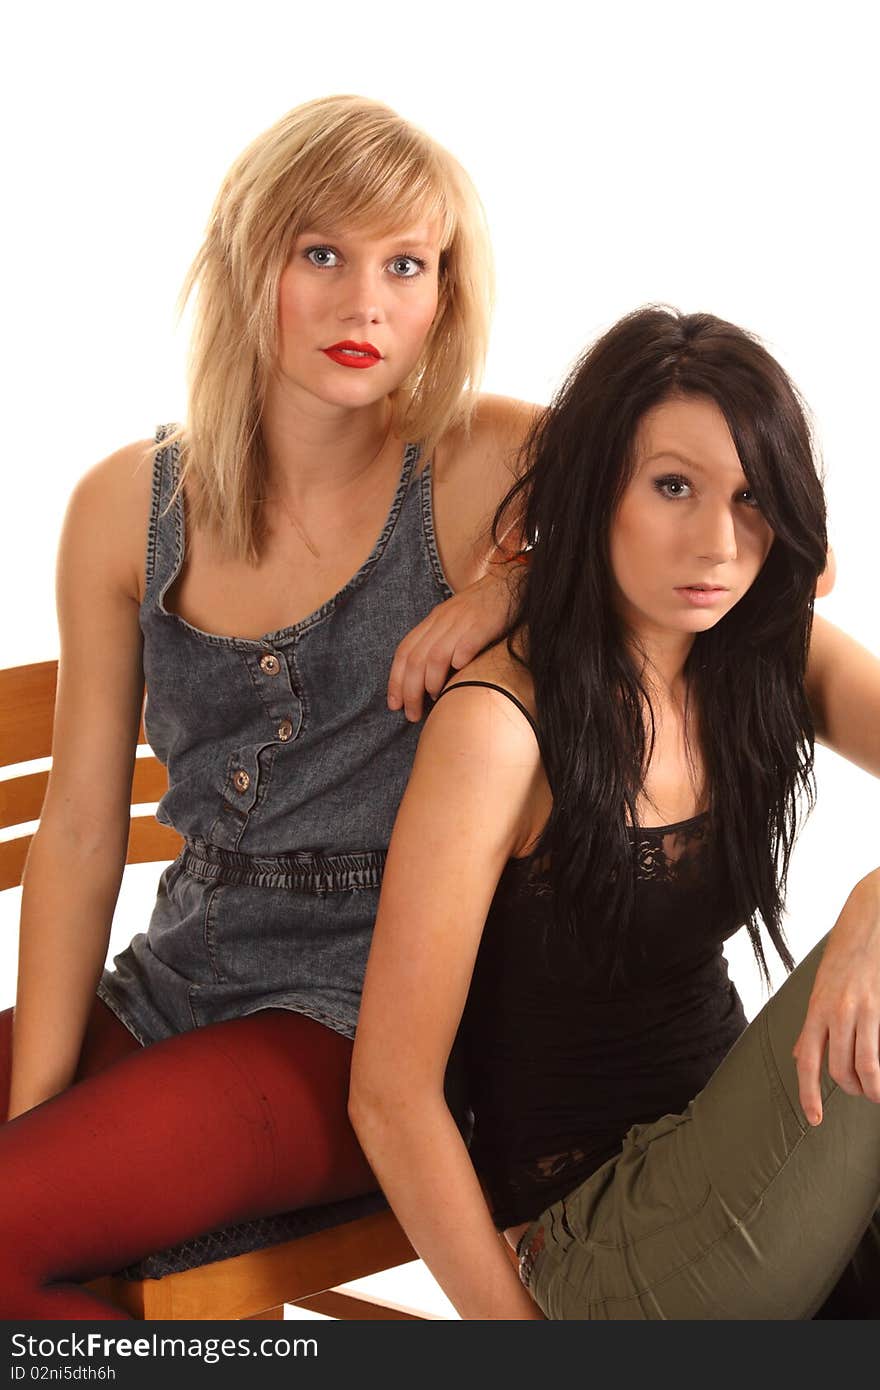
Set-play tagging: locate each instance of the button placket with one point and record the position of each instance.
(275, 684)
(280, 697)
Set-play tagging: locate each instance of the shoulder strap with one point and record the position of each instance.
(165, 535)
(489, 685)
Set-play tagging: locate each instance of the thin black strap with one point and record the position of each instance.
(459, 685)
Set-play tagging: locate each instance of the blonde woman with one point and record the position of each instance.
(257, 568)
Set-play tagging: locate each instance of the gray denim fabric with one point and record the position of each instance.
(285, 770)
(736, 1209)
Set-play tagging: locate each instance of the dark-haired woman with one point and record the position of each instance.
(619, 786)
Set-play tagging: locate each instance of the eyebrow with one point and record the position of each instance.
(679, 458)
(685, 462)
(417, 243)
(683, 459)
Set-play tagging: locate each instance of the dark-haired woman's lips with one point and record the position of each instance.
(702, 595)
(349, 354)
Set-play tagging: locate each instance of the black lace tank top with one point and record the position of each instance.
(559, 1063)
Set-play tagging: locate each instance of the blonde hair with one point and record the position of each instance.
(337, 161)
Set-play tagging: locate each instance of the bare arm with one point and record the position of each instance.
(472, 473)
(77, 856)
(843, 688)
(477, 763)
(843, 1015)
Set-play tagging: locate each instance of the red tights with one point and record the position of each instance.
(151, 1146)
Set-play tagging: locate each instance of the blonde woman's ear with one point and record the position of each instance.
(825, 582)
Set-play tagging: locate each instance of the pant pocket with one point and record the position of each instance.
(657, 1181)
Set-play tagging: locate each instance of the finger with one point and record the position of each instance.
(436, 672)
(406, 679)
(412, 706)
(466, 648)
(867, 1055)
(396, 675)
(413, 689)
(408, 657)
(427, 666)
(428, 662)
(841, 1051)
(808, 1052)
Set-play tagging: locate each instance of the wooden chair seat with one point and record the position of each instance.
(303, 1266)
(245, 1271)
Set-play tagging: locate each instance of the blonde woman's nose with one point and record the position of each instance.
(359, 300)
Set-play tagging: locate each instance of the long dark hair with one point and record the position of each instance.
(745, 674)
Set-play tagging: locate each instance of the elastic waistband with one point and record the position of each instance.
(302, 872)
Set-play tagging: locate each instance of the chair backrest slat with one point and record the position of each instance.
(149, 841)
(13, 853)
(21, 799)
(27, 709)
(150, 781)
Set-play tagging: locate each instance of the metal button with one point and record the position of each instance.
(242, 780)
(270, 664)
(285, 729)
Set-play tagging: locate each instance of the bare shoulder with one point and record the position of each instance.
(474, 469)
(112, 501)
(498, 427)
(480, 705)
(122, 479)
(476, 743)
(497, 666)
(503, 420)
(497, 430)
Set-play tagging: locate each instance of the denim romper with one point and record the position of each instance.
(285, 772)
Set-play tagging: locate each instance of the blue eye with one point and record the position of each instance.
(322, 256)
(406, 267)
(672, 487)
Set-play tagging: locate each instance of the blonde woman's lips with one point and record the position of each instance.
(350, 354)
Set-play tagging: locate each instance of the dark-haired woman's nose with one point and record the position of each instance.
(716, 542)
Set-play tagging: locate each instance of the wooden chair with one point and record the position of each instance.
(221, 1275)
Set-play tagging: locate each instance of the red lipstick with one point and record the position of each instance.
(349, 354)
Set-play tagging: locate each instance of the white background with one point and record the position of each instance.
(710, 156)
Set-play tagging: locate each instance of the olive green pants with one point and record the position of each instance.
(735, 1209)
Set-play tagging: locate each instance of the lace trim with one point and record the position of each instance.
(669, 854)
(521, 1186)
(541, 1171)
